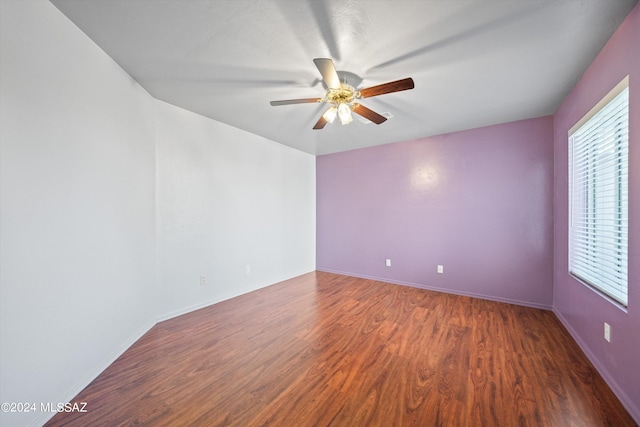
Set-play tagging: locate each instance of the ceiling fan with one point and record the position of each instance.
(342, 96)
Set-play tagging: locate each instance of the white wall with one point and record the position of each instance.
(228, 199)
(84, 271)
(77, 208)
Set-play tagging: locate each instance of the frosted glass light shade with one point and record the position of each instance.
(344, 111)
(330, 114)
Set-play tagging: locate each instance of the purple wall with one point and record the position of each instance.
(478, 202)
(491, 205)
(582, 310)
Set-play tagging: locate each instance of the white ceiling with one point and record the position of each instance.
(474, 62)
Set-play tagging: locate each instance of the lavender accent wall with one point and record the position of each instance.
(582, 310)
(478, 202)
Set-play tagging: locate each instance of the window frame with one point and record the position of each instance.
(592, 204)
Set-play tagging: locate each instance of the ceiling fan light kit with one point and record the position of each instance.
(344, 111)
(330, 114)
(341, 96)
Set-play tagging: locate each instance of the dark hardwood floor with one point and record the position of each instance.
(324, 349)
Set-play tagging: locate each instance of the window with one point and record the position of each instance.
(598, 195)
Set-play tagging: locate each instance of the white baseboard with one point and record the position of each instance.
(629, 405)
(74, 390)
(207, 303)
(444, 290)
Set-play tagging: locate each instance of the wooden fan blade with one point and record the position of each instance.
(320, 123)
(390, 87)
(369, 114)
(296, 101)
(328, 72)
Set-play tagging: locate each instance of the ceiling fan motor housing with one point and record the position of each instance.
(343, 95)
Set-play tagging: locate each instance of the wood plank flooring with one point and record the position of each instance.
(330, 350)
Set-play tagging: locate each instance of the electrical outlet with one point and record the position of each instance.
(247, 269)
(607, 332)
(388, 262)
(440, 269)
(203, 280)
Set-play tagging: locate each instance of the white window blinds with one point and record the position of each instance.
(598, 171)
